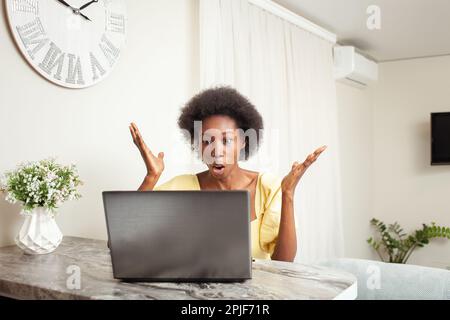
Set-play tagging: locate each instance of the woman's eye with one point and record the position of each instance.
(227, 141)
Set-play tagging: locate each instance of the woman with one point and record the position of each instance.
(227, 114)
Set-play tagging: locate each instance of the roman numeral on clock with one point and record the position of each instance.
(33, 37)
(27, 6)
(115, 22)
(74, 70)
(96, 67)
(53, 58)
(109, 50)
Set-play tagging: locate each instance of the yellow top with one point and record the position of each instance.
(264, 229)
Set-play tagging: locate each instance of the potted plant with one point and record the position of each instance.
(40, 187)
(396, 246)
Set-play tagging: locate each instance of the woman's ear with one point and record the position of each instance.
(242, 146)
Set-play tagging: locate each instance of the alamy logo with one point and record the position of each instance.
(374, 19)
(73, 282)
(374, 279)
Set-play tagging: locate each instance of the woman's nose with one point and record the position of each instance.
(218, 149)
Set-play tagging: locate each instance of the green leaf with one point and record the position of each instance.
(399, 245)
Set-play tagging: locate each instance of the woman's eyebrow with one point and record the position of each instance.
(224, 132)
(229, 131)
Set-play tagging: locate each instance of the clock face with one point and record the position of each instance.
(73, 43)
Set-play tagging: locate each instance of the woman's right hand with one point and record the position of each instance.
(154, 164)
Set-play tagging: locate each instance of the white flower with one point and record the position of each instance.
(40, 184)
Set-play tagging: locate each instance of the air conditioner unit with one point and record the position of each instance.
(353, 68)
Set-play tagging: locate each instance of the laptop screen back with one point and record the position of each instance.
(179, 235)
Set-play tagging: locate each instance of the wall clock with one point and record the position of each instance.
(72, 43)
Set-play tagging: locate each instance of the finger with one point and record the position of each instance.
(317, 154)
(320, 150)
(138, 140)
(144, 147)
(133, 129)
(161, 155)
(136, 130)
(308, 161)
(132, 133)
(299, 168)
(136, 137)
(138, 134)
(294, 165)
(315, 157)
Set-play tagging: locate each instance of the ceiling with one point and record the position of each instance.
(409, 28)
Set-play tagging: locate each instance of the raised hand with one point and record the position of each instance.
(290, 182)
(154, 164)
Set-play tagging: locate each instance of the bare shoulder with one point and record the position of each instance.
(202, 174)
(252, 175)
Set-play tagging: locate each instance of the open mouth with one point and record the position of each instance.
(218, 168)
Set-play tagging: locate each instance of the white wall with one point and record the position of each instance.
(155, 76)
(355, 115)
(385, 155)
(406, 188)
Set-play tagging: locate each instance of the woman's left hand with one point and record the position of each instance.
(298, 169)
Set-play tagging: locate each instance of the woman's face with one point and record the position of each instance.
(221, 145)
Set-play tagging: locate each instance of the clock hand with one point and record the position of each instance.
(84, 16)
(65, 3)
(75, 10)
(88, 4)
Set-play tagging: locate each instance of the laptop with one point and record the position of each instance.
(179, 236)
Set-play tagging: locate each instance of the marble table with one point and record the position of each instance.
(51, 276)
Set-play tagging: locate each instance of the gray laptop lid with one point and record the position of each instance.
(179, 235)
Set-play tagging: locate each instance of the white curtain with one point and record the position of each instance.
(287, 73)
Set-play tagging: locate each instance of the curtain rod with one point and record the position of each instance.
(299, 21)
